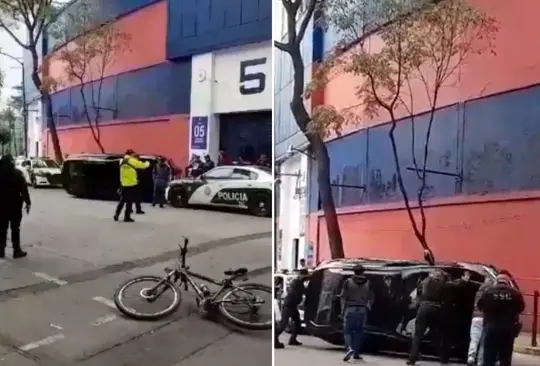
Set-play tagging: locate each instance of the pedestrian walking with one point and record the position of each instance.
(434, 313)
(129, 184)
(356, 297)
(475, 356)
(501, 305)
(295, 295)
(161, 177)
(13, 194)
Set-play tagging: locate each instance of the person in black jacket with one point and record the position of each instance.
(501, 305)
(295, 295)
(434, 295)
(13, 193)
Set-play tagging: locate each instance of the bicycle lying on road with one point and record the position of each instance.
(239, 296)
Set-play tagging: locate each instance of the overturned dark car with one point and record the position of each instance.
(391, 319)
(98, 175)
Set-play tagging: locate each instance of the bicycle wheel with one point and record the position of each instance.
(149, 299)
(240, 302)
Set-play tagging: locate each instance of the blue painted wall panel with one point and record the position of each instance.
(156, 91)
(350, 156)
(501, 146)
(200, 26)
(492, 142)
(61, 103)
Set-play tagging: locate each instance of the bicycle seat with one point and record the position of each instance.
(236, 272)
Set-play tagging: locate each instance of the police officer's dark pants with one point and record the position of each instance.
(430, 316)
(137, 198)
(498, 345)
(292, 315)
(126, 199)
(10, 220)
(354, 321)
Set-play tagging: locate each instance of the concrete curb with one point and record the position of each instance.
(527, 350)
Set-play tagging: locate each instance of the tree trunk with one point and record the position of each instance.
(46, 99)
(335, 239)
(302, 119)
(51, 124)
(94, 130)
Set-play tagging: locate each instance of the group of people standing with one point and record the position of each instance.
(130, 189)
(494, 326)
(199, 165)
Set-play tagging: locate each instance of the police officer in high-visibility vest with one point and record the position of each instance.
(128, 182)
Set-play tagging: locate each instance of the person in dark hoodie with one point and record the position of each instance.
(356, 298)
(161, 177)
(13, 193)
(295, 295)
(435, 296)
(208, 163)
(501, 305)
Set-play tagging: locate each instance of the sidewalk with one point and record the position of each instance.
(523, 345)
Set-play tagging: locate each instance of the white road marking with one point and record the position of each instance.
(104, 320)
(44, 342)
(52, 279)
(105, 301)
(56, 326)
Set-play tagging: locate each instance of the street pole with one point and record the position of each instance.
(24, 112)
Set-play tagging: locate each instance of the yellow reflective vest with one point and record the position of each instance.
(128, 170)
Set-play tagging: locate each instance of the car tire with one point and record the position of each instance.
(33, 182)
(260, 205)
(177, 198)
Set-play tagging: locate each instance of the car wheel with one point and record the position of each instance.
(260, 205)
(33, 182)
(177, 198)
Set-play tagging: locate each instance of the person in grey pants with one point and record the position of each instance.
(162, 177)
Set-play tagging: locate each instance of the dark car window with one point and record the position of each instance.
(243, 174)
(219, 173)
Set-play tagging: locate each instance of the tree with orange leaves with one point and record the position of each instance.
(389, 47)
(89, 48)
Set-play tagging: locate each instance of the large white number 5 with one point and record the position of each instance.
(246, 76)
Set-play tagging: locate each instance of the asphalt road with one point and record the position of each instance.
(315, 352)
(55, 305)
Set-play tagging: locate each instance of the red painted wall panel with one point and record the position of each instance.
(166, 136)
(480, 75)
(147, 28)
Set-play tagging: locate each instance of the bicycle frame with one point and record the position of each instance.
(182, 273)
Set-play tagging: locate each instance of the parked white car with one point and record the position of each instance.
(40, 172)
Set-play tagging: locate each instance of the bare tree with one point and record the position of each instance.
(90, 49)
(34, 16)
(299, 13)
(420, 49)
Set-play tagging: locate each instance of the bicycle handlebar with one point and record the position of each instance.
(183, 251)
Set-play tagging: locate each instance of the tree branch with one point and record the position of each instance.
(282, 46)
(306, 19)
